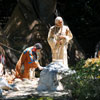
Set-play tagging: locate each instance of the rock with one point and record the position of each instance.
(17, 80)
(16, 88)
(25, 79)
(4, 84)
(51, 76)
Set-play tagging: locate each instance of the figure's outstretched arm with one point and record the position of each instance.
(37, 65)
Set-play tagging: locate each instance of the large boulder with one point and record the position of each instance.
(51, 75)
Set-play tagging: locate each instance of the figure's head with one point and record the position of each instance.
(38, 46)
(59, 21)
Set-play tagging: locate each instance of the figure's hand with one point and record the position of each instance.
(60, 42)
(40, 68)
(62, 37)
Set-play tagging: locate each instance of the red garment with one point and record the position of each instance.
(29, 59)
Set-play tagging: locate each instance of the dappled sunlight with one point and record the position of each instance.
(15, 19)
(29, 37)
(8, 26)
(31, 26)
(19, 23)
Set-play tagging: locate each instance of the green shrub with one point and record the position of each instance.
(85, 83)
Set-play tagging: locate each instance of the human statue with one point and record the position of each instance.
(28, 59)
(58, 38)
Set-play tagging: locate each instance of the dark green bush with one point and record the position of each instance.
(85, 83)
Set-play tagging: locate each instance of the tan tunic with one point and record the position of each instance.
(59, 50)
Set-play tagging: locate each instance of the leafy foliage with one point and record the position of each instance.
(85, 83)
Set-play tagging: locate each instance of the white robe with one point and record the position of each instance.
(59, 51)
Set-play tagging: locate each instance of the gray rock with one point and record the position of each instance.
(4, 84)
(51, 76)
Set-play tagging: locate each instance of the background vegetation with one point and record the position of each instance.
(85, 83)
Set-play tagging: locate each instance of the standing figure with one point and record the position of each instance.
(28, 59)
(58, 38)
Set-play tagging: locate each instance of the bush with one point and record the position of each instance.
(85, 83)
